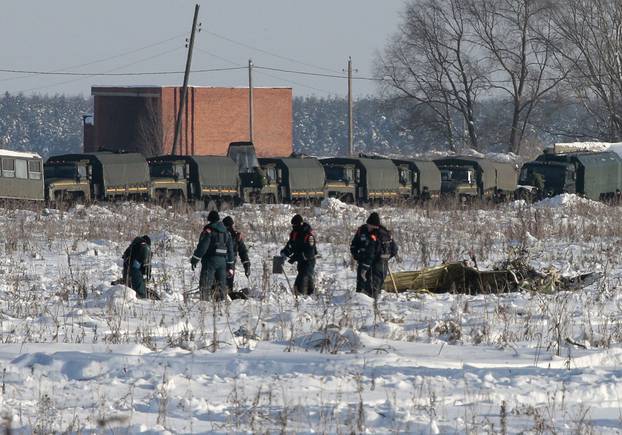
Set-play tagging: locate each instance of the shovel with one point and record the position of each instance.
(277, 269)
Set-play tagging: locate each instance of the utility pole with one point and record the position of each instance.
(250, 100)
(184, 88)
(350, 121)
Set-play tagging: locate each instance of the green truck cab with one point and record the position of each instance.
(210, 182)
(258, 183)
(97, 176)
(361, 179)
(595, 175)
(298, 179)
(420, 180)
(472, 177)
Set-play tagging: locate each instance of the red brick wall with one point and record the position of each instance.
(214, 117)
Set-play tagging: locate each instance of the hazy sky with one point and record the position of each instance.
(117, 36)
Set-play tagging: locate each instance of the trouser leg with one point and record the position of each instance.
(206, 281)
(138, 283)
(378, 274)
(230, 280)
(304, 283)
(362, 279)
(220, 290)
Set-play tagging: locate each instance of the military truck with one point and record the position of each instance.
(97, 176)
(258, 184)
(299, 179)
(21, 176)
(595, 175)
(420, 180)
(361, 179)
(210, 182)
(472, 177)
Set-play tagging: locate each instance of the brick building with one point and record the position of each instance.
(143, 119)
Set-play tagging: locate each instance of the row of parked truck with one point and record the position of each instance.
(219, 181)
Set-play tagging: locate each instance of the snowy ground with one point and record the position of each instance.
(80, 355)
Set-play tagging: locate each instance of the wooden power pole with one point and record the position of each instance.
(184, 88)
(250, 100)
(350, 122)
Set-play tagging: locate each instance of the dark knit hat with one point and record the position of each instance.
(297, 220)
(374, 219)
(213, 216)
(228, 221)
(147, 239)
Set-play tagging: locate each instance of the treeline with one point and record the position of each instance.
(53, 125)
(45, 124)
(397, 126)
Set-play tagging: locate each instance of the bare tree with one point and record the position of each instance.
(432, 60)
(150, 133)
(589, 42)
(515, 39)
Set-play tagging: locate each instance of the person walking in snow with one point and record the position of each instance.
(301, 249)
(215, 252)
(372, 246)
(239, 249)
(137, 265)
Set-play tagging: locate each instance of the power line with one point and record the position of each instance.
(308, 73)
(115, 56)
(143, 73)
(296, 83)
(108, 72)
(279, 56)
(229, 61)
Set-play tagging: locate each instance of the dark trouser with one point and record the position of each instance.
(370, 280)
(137, 282)
(304, 280)
(230, 280)
(213, 279)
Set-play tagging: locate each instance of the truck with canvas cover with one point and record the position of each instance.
(21, 176)
(595, 175)
(207, 181)
(473, 177)
(419, 179)
(299, 179)
(97, 176)
(361, 179)
(257, 183)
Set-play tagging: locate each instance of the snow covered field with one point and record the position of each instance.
(80, 355)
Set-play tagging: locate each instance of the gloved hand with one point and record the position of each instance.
(230, 273)
(283, 254)
(193, 262)
(247, 269)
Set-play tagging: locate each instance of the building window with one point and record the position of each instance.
(8, 168)
(34, 169)
(21, 169)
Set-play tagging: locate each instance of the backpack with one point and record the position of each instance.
(218, 245)
(386, 247)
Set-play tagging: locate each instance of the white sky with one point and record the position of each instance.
(149, 35)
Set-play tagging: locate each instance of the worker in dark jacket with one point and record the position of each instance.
(239, 249)
(215, 252)
(137, 265)
(301, 249)
(372, 247)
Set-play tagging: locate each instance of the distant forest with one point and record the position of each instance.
(53, 124)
